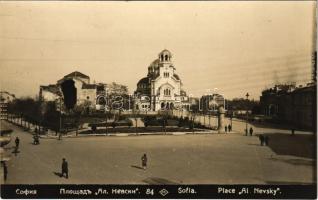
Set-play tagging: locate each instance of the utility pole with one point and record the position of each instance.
(60, 128)
(246, 130)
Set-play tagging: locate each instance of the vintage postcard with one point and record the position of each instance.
(177, 100)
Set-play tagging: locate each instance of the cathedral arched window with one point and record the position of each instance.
(167, 92)
(161, 57)
(166, 57)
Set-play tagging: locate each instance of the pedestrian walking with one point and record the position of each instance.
(5, 171)
(293, 131)
(266, 140)
(17, 142)
(251, 131)
(64, 168)
(144, 160)
(225, 129)
(229, 127)
(261, 139)
(36, 139)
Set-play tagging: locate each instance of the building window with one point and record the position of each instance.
(167, 92)
(166, 74)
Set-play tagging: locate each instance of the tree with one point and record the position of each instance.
(135, 113)
(194, 108)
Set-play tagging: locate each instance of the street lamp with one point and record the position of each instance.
(246, 130)
(60, 120)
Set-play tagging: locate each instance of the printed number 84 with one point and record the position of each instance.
(149, 192)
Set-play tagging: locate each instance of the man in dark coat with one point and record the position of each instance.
(251, 131)
(293, 132)
(17, 142)
(229, 127)
(261, 139)
(144, 161)
(225, 129)
(36, 139)
(64, 168)
(5, 171)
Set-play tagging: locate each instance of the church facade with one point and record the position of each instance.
(161, 89)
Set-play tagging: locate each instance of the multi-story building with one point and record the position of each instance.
(291, 105)
(5, 98)
(211, 102)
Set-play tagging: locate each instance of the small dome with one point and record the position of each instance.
(165, 51)
(144, 80)
(165, 56)
(154, 64)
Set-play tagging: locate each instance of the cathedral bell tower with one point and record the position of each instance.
(165, 64)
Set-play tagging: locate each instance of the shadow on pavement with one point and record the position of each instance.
(57, 174)
(159, 181)
(296, 161)
(296, 145)
(255, 144)
(135, 166)
(15, 152)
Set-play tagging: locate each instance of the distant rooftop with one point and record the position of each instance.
(51, 88)
(76, 74)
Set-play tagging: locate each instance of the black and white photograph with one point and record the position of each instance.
(158, 99)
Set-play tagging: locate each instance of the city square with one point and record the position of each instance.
(211, 98)
(200, 158)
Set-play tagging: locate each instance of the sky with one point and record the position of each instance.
(226, 47)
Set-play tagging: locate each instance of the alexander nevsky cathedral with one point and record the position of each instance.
(161, 88)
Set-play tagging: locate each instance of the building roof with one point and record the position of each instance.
(144, 80)
(76, 74)
(7, 93)
(308, 88)
(51, 88)
(154, 63)
(176, 76)
(165, 51)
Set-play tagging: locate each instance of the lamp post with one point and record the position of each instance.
(247, 95)
(232, 120)
(60, 120)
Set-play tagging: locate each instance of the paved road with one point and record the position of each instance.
(188, 159)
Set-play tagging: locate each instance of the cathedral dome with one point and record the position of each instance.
(154, 64)
(144, 80)
(165, 56)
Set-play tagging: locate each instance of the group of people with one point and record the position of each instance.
(228, 128)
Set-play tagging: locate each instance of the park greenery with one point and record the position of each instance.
(46, 115)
